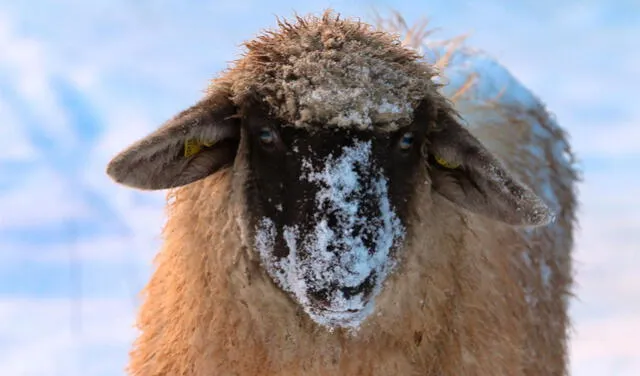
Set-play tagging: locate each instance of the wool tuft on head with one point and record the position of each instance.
(333, 72)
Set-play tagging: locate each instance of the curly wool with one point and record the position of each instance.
(332, 72)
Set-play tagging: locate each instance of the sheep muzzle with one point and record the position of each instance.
(334, 258)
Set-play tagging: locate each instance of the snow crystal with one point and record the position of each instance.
(330, 256)
(265, 236)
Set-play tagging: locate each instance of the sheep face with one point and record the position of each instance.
(327, 210)
(327, 206)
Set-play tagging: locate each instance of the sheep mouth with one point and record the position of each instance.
(342, 306)
(343, 319)
(343, 298)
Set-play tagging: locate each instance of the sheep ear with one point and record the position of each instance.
(467, 174)
(192, 145)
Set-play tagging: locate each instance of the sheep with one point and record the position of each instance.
(330, 214)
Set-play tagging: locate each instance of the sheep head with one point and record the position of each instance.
(335, 126)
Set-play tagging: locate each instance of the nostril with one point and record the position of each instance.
(319, 297)
(332, 219)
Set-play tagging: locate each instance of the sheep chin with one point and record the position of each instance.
(350, 319)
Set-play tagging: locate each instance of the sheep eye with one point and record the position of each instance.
(267, 136)
(406, 141)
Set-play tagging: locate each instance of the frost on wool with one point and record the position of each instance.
(336, 258)
(334, 75)
(346, 95)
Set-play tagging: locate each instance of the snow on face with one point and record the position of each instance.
(338, 260)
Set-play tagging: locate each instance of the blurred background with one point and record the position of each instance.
(80, 80)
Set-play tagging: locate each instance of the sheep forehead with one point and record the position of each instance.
(345, 93)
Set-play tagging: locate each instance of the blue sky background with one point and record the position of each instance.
(80, 80)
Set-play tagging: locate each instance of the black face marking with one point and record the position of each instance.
(329, 209)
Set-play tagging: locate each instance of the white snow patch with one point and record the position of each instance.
(337, 255)
(265, 236)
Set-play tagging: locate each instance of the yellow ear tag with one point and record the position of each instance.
(446, 164)
(193, 147)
